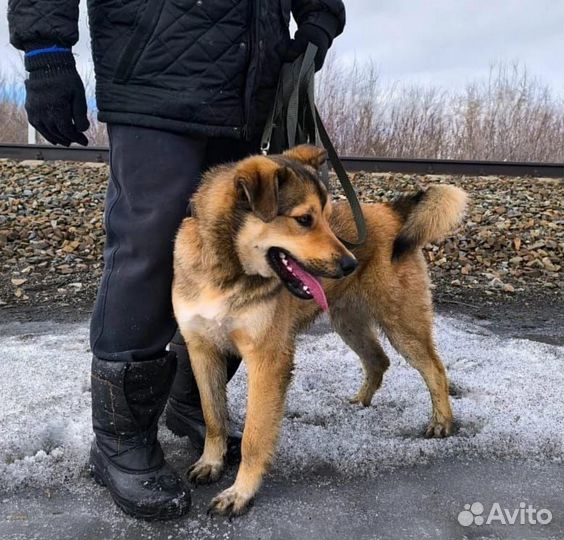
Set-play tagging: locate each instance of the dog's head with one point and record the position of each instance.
(285, 230)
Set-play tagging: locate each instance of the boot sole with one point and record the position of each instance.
(125, 506)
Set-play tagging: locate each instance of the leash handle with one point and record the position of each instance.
(283, 123)
(303, 94)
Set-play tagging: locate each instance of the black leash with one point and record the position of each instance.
(294, 119)
(346, 184)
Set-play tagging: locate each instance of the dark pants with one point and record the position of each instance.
(153, 174)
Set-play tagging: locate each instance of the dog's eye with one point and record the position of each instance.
(305, 220)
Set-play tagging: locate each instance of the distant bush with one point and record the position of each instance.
(13, 120)
(510, 116)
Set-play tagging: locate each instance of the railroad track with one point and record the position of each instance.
(368, 164)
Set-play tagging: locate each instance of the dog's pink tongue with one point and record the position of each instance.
(314, 286)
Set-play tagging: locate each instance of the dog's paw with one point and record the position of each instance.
(364, 395)
(439, 429)
(230, 503)
(360, 399)
(204, 472)
(367, 390)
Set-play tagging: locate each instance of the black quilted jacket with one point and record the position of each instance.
(191, 66)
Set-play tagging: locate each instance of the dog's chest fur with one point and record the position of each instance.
(211, 314)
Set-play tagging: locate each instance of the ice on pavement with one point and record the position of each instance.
(507, 397)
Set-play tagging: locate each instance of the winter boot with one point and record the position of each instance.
(126, 457)
(184, 416)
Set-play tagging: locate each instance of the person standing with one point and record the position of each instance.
(182, 86)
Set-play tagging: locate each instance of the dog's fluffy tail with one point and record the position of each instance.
(428, 216)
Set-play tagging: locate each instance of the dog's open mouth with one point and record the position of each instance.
(297, 280)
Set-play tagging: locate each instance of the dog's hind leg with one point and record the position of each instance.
(413, 339)
(210, 370)
(358, 330)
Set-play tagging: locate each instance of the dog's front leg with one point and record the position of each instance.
(269, 373)
(210, 371)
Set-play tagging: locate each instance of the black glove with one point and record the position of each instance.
(55, 99)
(309, 33)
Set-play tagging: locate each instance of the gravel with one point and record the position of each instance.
(51, 234)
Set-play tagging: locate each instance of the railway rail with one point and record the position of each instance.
(352, 164)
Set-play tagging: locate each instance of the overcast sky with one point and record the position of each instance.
(441, 42)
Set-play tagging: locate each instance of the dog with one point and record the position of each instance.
(261, 258)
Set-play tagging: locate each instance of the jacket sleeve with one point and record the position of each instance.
(327, 14)
(39, 23)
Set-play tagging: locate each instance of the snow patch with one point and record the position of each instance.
(507, 398)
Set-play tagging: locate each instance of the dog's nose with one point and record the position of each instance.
(348, 264)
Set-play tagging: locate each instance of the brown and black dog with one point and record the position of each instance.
(260, 259)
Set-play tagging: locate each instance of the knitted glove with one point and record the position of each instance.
(55, 98)
(309, 33)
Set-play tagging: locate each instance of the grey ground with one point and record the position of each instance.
(415, 502)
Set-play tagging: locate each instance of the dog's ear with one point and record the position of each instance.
(257, 179)
(308, 155)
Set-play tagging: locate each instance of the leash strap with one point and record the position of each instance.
(346, 184)
(294, 119)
